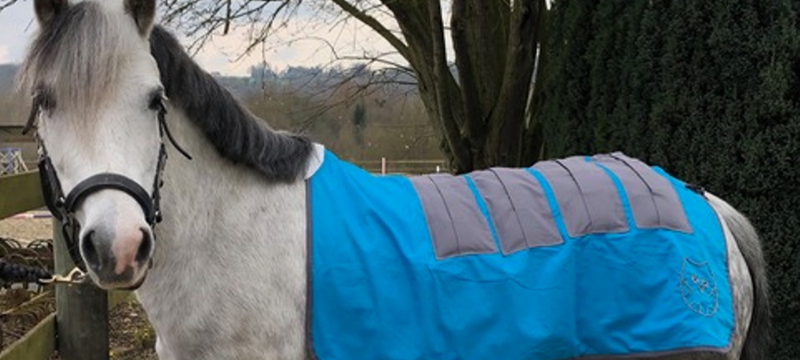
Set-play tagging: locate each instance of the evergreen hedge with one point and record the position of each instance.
(706, 89)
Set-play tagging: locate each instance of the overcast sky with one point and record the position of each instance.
(307, 49)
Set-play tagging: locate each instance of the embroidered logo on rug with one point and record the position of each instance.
(698, 288)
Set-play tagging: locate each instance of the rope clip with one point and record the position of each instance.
(74, 277)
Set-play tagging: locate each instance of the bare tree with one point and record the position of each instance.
(484, 110)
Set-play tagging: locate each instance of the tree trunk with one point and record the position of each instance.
(507, 123)
(479, 31)
(485, 118)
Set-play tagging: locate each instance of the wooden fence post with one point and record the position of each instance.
(82, 311)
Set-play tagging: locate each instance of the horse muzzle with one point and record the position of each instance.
(116, 257)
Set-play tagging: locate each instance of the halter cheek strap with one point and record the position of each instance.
(51, 187)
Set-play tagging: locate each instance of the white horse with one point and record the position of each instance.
(227, 277)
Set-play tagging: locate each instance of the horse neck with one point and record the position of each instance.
(223, 222)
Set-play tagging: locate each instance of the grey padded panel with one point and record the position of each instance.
(587, 198)
(531, 209)
(506, 224)
(456, 224)
(653, 201)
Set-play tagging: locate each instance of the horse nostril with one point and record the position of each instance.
(89, 249)
(145, 247)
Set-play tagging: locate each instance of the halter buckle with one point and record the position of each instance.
(74, 277)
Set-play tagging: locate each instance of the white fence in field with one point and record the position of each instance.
(11, 161)
(407, 167)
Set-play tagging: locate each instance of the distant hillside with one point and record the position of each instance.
(12, 107)
(7, 73)
(314, 81)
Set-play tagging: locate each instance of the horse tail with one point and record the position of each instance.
(757, 340)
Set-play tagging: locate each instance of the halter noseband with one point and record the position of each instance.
(63, 207)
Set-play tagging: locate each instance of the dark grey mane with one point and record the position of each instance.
(235, 132)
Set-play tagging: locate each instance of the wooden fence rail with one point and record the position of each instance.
(81, 318)
(20, 193)
(37, 344)
(40, 342)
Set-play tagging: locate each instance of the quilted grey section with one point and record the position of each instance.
(498, 204)
(456, 224)
(653, 201)
(587, 198)
(518, 208)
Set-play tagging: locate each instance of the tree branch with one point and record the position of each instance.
(373, 23)
(227, 18)
(6, 4)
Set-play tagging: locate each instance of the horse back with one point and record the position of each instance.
(598, 256)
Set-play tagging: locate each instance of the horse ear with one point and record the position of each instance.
(143, 12)
(46, 10)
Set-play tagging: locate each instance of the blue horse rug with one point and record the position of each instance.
(598, 256)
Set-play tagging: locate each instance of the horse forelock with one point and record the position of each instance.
(78, 57)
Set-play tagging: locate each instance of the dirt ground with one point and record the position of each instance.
(26, 230)
(132, 337)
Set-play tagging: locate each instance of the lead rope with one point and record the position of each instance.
(15, 273)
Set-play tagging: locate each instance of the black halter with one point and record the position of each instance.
(63, 206)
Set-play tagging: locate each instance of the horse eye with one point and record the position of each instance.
(44, 100)
(156, 102)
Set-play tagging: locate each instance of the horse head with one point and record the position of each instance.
(98, 108)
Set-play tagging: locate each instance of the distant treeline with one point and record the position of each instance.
(357, 112)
